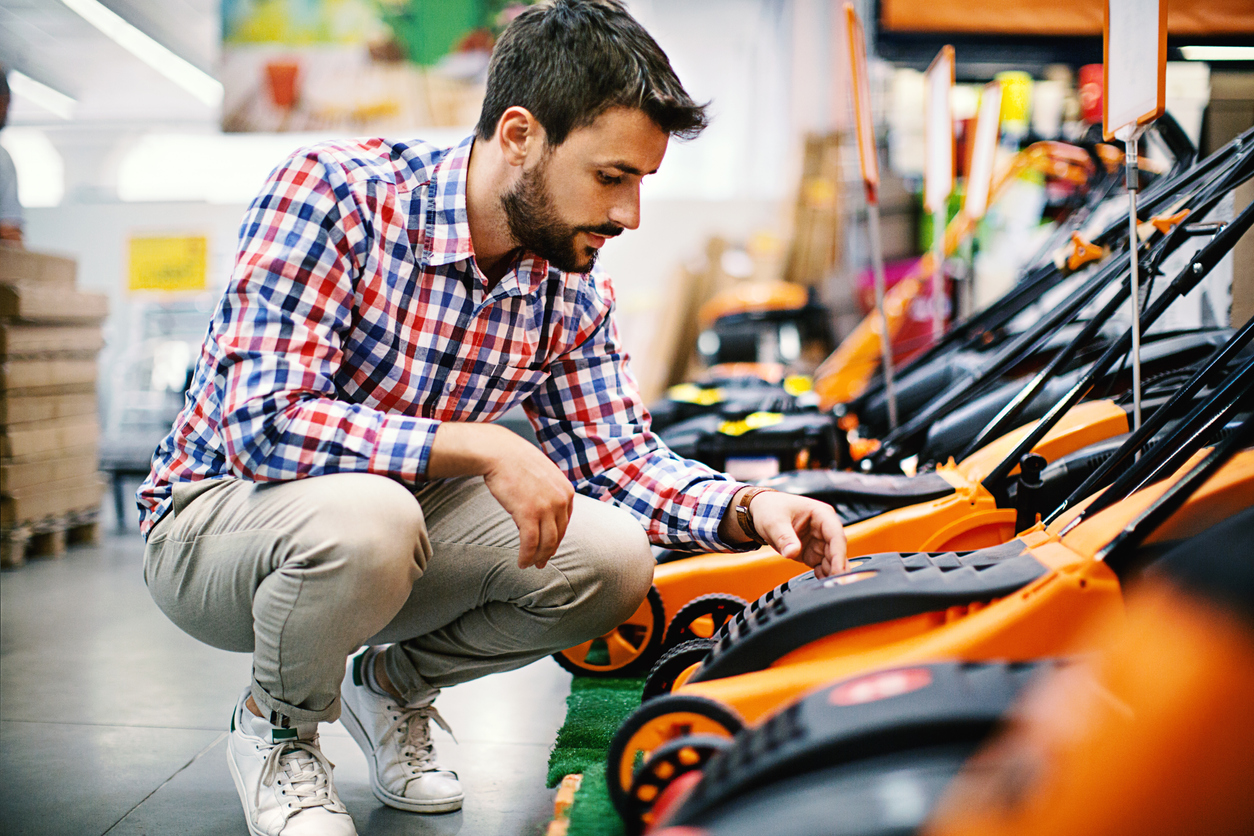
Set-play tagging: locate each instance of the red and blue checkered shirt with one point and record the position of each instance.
(356, 320)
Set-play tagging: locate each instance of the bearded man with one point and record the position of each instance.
(334, 483)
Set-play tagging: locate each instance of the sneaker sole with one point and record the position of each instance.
(358, 732)
(241, 791)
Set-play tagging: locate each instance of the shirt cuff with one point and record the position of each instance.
(403, 448)
(713, 499)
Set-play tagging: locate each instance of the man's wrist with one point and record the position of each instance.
(737, 527)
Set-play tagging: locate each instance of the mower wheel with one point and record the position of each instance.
(628, 650)
(671, 667)
(655, 723)
(669, 762)
(702, 617)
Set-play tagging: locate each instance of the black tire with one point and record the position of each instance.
(666, 763)
(644, 641)
(662, 676)
(621, 763)
(719, 607)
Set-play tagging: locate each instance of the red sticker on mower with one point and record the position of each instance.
(878, 686)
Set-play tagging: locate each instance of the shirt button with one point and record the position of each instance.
(449, 386)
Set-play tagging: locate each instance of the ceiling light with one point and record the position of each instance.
(1218, 53)
(53, 101)
(200, 84)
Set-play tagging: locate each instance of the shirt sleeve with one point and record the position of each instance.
(281, 329)
(590, 420)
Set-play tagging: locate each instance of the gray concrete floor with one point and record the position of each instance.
(113, 721)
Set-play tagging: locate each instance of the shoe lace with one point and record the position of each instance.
(416, 750)
(308, 773)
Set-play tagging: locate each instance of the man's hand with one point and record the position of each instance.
(797, 527)
(531, 489)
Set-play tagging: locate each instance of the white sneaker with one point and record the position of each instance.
(283, 779)
(397, 743)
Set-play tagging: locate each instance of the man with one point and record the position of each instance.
(333, 482)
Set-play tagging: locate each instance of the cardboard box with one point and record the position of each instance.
(22, 408)
(51, 303)
(27, 266)
(51, 499)
(45, 375)
(44, 437)
(22, 474)
(21, 340)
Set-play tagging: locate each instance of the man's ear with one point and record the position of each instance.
(519, 135)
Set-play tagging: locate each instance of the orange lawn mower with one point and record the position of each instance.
(1024, 600)
(1148, 733)
(957, 507)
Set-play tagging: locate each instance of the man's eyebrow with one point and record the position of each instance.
(630, 169)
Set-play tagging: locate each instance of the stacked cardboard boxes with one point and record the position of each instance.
(50, 333)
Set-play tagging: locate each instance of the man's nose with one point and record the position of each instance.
(626, 211)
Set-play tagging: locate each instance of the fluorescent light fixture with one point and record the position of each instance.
(53, 101)
(1218, 53)
(200, 84)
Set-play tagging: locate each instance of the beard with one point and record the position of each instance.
(535, 226)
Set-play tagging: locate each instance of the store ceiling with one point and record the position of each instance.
(46, 40)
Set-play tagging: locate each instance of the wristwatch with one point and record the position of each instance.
(744, 515)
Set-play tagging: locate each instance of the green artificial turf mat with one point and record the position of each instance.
(593, 813)
(594, 711)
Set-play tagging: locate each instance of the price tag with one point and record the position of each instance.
(938, 164)
(983, 152)
(1134, 72)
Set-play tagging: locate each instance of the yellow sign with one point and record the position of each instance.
(752, 421)
(691, 393)
(169, 263)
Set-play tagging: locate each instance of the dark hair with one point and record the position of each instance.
(568, 61)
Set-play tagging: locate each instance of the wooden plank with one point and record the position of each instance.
(17, 265)
(20, 340)
(31, 471)
(20, 408)
(45, 437)
(43, 375)
(51, 303)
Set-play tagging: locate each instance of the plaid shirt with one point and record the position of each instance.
(356, 321)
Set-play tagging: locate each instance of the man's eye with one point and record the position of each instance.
(607, 179)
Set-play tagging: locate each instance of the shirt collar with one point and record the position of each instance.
(447, 233)
(447, 238)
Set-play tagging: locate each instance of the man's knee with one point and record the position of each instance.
(615, 563)
(370, 526)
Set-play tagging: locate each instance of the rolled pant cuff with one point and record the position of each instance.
(405, 678)
(269, 706)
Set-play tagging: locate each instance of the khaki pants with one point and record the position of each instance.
(303, 573)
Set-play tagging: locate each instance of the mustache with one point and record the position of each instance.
(604, 230)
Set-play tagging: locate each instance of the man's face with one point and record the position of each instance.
(585, 190)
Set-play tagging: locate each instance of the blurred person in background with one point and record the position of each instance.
(10, 206)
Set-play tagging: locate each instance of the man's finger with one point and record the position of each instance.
(528, 539)
(549, 539)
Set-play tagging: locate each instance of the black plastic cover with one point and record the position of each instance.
(900, 585)
(868, 716)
